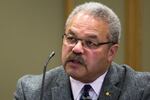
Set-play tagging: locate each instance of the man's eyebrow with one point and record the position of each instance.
(71, 32)
(90, 36)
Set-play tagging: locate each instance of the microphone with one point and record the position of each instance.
(44, 72)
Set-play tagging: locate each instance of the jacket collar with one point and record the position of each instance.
(62, 91)
(111, 87)
(113, 81)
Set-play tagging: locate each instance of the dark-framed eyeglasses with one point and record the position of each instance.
(87, 43)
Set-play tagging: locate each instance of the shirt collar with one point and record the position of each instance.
(77, 85)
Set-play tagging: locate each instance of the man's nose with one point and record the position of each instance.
(78, 47)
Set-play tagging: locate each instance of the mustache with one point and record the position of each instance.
(75, 58)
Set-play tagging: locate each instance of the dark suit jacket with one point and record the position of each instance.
(122, 83)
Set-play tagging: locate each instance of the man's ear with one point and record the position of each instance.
(112, 52)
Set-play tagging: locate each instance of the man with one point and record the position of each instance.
(90, 43)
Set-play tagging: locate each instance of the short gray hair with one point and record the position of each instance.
(101, 11)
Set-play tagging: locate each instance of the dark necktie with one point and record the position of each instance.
(85, 93)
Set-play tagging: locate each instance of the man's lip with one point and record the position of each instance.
(73, 64)
(74, 61)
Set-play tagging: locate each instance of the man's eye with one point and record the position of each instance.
(71, 39)
(91, 44)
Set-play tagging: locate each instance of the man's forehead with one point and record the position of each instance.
(95, 36)
(88, 25)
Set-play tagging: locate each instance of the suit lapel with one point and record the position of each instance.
(63, 90)
(109, 92)
(60, 93)
(111, 88)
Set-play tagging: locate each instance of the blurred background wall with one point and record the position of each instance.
(30, 29)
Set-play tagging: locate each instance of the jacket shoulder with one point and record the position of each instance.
(130, 75)
(133, 85)
(33, 82)
(29, 86)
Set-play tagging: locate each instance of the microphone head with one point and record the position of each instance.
(51, 54)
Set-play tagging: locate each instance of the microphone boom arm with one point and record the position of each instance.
(44, 72)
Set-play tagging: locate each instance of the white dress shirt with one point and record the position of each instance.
(94, 92)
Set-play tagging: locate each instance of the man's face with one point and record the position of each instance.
(80, 61)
